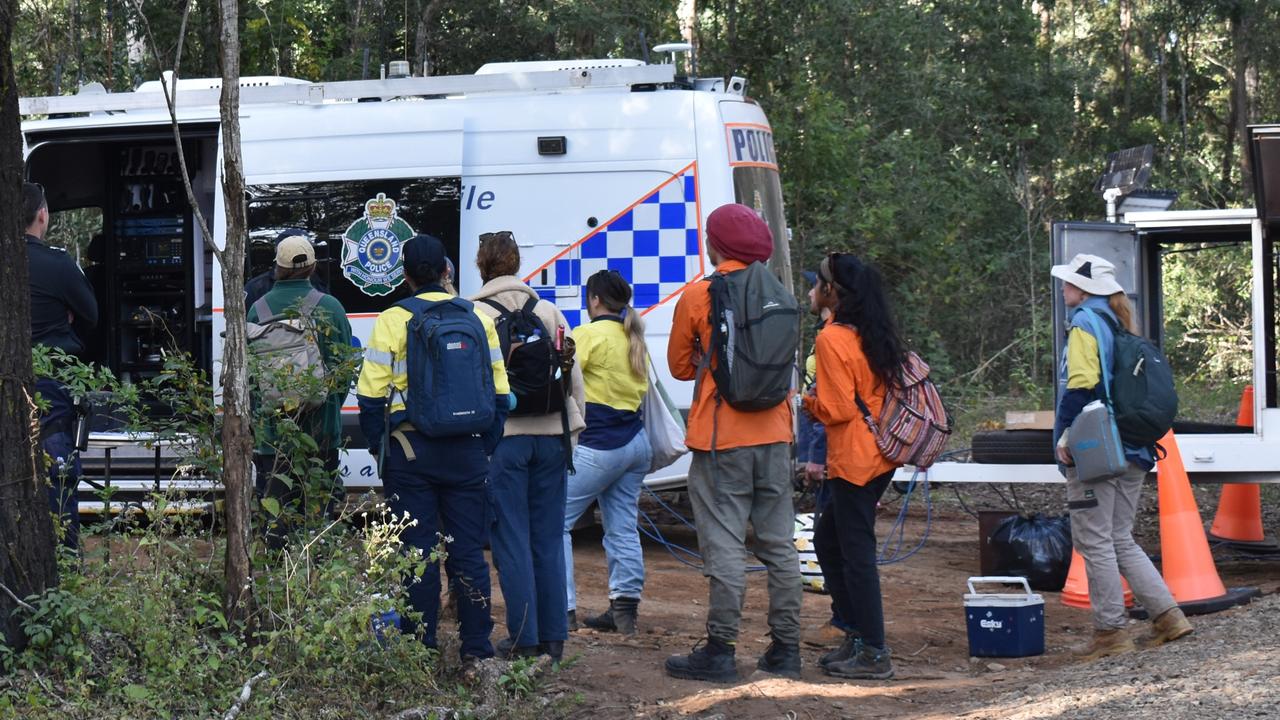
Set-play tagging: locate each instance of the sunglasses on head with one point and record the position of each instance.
(499, 235)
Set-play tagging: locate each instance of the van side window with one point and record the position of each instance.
(761, 188)
(328, 210)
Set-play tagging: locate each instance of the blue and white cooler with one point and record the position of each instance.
(1004, 624)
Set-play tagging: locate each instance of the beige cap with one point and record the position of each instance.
(294, 252)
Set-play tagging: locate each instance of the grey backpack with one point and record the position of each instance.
(755, 331)
(284, 356)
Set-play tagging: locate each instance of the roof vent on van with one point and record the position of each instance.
(504, 68)
(216, 83)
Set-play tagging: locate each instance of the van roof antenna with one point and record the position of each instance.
(675, 49)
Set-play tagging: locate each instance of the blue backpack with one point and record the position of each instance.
(451, 390)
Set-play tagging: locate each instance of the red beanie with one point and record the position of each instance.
(737, 232)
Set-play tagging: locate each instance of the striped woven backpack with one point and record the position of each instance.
(914, 425)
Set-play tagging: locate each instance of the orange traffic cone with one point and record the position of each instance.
(1239, 517)
(1075, 593)
(1187, 564)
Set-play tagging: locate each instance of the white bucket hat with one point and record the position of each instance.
(1090, 273)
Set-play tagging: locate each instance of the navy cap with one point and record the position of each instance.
(810, 276)
(288, 233)
(425, 250)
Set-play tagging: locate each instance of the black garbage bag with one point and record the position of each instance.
(1037, 547)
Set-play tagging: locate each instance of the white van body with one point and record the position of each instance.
(591, 164)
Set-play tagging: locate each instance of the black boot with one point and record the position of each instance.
(507, 650)
(710, 660)
(869, 664)
(553, 649)
(849, 648)
(624, 610)
(603, 622)
(781, 659)
(573, 621)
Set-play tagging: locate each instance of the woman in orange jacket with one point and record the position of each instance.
(858, 356)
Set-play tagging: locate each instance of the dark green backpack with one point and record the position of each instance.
(755, 331)
(1141, 390)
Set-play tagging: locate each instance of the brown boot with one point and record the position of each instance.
(1169, 626)
(1105, 643)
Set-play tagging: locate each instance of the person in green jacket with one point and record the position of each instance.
(288, 482)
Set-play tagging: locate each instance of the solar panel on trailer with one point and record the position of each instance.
(1127, 170)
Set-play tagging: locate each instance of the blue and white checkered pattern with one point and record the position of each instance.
(655, 245)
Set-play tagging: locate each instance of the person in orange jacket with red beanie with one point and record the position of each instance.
(745, 477)
(858, 355)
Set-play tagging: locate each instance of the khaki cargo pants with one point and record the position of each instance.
(747, 484)
(1102, 516)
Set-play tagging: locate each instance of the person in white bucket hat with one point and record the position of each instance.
(1102, 513)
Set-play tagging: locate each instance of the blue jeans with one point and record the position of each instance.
(527, 474)
(446, 497)
(615, 477)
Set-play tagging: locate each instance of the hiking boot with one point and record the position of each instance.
(1105, 643)
(620, 617)
(1169, 626)
(869, 664)
(573, 621)
(507, 650)
(781, 659)
(624, 611)
(469, 668)
(602, 622)
(711, 660)
(553, 649)
(850, 648)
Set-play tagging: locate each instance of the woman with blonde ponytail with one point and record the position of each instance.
(1103, 511)
(613, 453)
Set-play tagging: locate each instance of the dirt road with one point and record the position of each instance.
(936, 678)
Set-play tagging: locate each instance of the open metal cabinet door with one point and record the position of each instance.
(1264, 152)
(1117, 242)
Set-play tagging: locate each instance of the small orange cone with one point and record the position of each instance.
(1075, 593)
(1239, 516)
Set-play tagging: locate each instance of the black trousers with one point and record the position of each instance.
(845, 542)
(293, 500)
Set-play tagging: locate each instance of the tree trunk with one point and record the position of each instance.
(422, 37)
(237, 437)
(27, 559)
(687, 16)
(1126, 50)
(1162, 59)
(1243, 86)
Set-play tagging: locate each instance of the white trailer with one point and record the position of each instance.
(1138, 244)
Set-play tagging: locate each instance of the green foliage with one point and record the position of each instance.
(137, 629)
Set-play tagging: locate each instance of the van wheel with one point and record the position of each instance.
(1014, 447)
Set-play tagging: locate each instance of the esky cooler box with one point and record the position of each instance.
(1004, 624)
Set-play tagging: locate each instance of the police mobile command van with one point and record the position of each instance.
(591, 164)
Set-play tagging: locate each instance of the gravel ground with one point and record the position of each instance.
(1227, 669)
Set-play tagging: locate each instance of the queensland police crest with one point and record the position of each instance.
(372, 257)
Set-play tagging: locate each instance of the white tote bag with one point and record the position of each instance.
(662, 423)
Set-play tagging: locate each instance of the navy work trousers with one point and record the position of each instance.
(527, 474)
(57, 426)
(444, 489)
